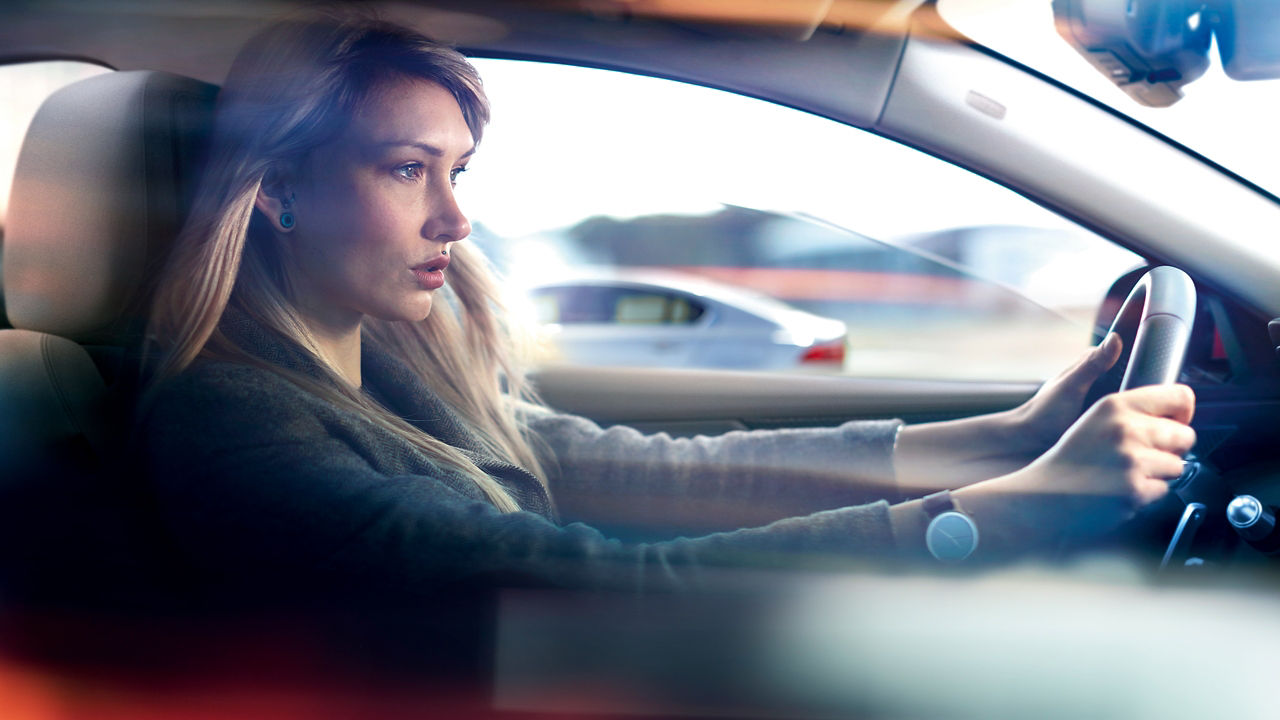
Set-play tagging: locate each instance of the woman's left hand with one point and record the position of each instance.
(1042, 420)
(955, 453)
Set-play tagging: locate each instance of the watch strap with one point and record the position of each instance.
(938, 503)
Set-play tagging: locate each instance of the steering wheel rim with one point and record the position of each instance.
(1155, 324)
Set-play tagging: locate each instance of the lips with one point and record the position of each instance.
(430, 274)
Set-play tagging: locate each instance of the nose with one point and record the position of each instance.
(446, 221)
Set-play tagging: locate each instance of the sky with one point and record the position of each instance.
(644, 145)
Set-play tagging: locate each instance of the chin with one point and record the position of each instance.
(409, 312)
(417, 312)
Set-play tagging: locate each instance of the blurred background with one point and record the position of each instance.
(648, 223)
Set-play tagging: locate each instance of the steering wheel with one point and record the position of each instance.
(1155, 325)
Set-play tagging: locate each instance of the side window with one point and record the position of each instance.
(23, 86)
(647, 307)
(575, 305)
(878, 259)
(587, 304)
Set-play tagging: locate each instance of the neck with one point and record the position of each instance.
(339, 345)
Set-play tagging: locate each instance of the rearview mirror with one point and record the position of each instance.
(1151, 48)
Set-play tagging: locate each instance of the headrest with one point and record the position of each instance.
(103, 181)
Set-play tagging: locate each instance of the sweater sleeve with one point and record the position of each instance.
(622, 478)
(253, 481)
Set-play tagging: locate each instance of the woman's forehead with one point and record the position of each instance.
(411, 111)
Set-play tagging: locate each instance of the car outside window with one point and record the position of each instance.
(933, 271)
(572, 305)
(590, 304)
(639, 307)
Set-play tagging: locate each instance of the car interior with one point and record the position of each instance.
(79, 249)
(110, 164)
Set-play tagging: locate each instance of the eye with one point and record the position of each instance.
(454, 173)
(410, 171)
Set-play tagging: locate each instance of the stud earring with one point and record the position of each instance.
(286, 217)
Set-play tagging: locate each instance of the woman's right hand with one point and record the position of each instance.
(1128, 445)
(1116, 458)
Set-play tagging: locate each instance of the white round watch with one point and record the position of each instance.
(951, 536)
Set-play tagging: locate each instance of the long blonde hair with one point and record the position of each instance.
(292, 88)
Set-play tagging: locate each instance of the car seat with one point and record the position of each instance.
(103, 179)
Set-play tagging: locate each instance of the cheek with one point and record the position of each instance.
(360, 234)
(354, 227)
(380, 211)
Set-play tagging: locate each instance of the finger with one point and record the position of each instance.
(1191, 404)
(1170, 436)
(1149, 491)
(1093, 363)
(1175, 402)
(1158, 465)
(1106, 354)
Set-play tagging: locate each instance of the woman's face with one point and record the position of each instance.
(375, 209)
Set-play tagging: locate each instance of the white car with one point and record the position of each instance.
(656, 319)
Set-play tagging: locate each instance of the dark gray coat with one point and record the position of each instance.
(259, 481)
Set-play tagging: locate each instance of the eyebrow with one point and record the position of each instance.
(428, 148)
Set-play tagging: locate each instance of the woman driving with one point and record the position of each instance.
(338, 401)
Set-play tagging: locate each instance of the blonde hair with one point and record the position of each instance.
(291, 89)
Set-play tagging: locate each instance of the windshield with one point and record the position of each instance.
(1228, 121)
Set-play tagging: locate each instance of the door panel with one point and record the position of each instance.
(685, 402)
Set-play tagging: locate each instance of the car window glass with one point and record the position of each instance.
(23, 86)
(574, 305)
(644, 307)
(916, 267)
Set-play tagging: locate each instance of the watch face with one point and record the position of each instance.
(951, 537)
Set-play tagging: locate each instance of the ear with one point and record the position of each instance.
(275, 200)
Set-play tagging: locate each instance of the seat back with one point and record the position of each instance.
(103, 180)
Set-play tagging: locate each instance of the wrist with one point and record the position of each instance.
(956, 453)
(1015, 434)
(1015, 513)
(1000, 510)
(1015, 439)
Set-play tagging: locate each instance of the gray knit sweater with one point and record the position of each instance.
(257, 478)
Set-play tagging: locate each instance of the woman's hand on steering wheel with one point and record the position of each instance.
(1116, 458)
(1129, 444)
(1058, 403)
(955, 453)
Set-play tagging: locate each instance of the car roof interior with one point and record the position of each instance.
(683, 40)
